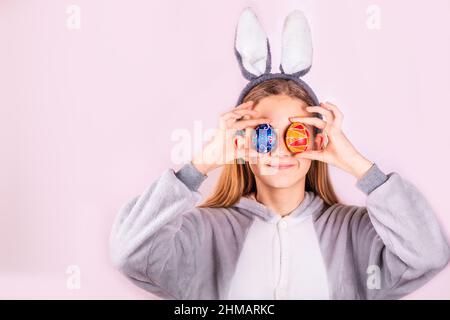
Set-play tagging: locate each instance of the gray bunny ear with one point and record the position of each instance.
(251, 46)
(296, 51)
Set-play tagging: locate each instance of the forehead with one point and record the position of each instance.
(279, 108)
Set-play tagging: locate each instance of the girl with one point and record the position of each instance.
(274, 228)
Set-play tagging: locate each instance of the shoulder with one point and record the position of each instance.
(340, 224)
(342, 216)
(218, 219)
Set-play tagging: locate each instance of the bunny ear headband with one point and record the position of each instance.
(252, 51)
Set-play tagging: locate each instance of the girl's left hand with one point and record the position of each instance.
(338, 150)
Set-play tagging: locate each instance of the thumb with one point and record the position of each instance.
(311, 155)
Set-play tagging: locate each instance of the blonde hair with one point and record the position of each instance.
(237, 180)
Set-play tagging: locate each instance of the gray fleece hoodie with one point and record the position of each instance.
(165, 244)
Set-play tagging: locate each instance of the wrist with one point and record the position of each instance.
(360, 166)
(202, 167)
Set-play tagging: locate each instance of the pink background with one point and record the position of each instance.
(86, 116)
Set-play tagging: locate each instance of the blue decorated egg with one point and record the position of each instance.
(264, 138)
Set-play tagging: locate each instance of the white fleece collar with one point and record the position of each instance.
(310, 205)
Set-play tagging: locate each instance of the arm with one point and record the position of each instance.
(397, 231)
(399, 234)
(153, 239)
(159, 239)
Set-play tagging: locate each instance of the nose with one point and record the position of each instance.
(281, 149)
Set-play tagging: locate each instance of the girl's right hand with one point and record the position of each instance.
(226, 146)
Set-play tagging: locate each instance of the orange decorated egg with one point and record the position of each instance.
(297, 137)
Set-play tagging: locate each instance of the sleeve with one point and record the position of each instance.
(398, 243)
(153, 241)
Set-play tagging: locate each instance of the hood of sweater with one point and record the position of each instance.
(311, 204)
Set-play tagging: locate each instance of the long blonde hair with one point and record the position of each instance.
(237, 180)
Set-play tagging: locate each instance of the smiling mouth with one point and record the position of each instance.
(281, 166)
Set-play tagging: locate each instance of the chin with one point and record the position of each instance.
(281, 184)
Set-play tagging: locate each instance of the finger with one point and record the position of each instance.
(338, 115)
(227, 119)
(243, 116)
(244, 105)
(311, 155)
(319, 123)
(243, 112)
(248, 113)
(242, 124)
(323, 111)
(230, 117)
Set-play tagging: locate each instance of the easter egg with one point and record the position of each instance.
(297, 137)
(264, 138)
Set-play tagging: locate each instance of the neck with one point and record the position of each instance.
(281, 200)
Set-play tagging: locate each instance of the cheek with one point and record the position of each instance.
(304, 165)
